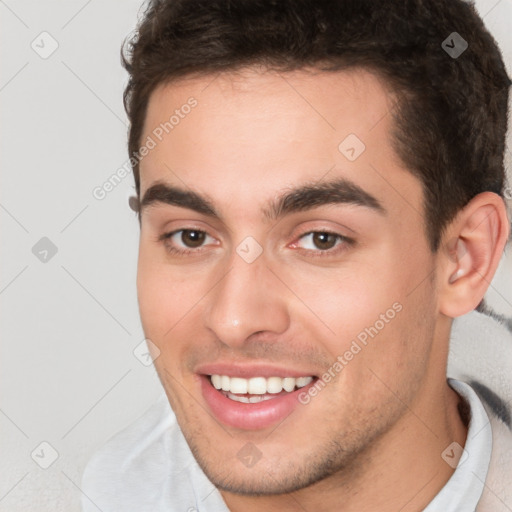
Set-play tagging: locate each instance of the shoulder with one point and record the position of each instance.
(497, 494)
(132, 464)
(481, 356)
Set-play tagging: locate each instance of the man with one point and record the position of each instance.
(319, 192)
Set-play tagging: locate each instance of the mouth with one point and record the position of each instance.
(255, 402)
(257, 389)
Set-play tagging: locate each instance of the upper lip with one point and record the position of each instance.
(247, 371)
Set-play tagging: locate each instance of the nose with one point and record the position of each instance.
(248, 299)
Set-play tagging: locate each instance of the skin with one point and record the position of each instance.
(253, 135)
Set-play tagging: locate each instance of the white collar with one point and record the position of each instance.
(463, 490)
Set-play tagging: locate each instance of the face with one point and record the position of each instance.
(286, 263)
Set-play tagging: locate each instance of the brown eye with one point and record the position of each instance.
(192, 238)
(186, 241)
(324, 241)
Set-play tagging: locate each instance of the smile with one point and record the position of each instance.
(262, 387)
(255, 402)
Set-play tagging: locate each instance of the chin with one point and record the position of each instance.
(277, 475)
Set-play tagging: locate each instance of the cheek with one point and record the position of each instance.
(366, 311)
(165, 296)
(397, 346)
(341, 302)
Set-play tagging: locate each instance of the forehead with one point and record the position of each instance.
(261, 131)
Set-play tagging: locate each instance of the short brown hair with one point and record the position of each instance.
(451, 117)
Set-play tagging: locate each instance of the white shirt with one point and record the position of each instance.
(462, 492)
(149, 467)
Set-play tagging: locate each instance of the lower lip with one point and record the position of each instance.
(249, 416)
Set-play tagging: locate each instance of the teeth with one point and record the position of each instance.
(216, 381)
(237, 385)
(257, 386)
(238, 398)
(288, 384)
(303, 381)
(249, 399)
(224, 383)
(258, 398)
(274, 384)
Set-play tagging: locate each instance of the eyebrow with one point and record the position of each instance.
(302, 198)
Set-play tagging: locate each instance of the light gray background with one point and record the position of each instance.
(68, 373)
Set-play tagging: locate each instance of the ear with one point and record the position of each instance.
(470, 253)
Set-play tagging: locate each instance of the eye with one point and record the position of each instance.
(323, 242)
(185, 241)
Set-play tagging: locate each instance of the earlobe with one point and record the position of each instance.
(477, 238)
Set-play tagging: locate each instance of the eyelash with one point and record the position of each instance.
(180, 252)
(345, 241)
